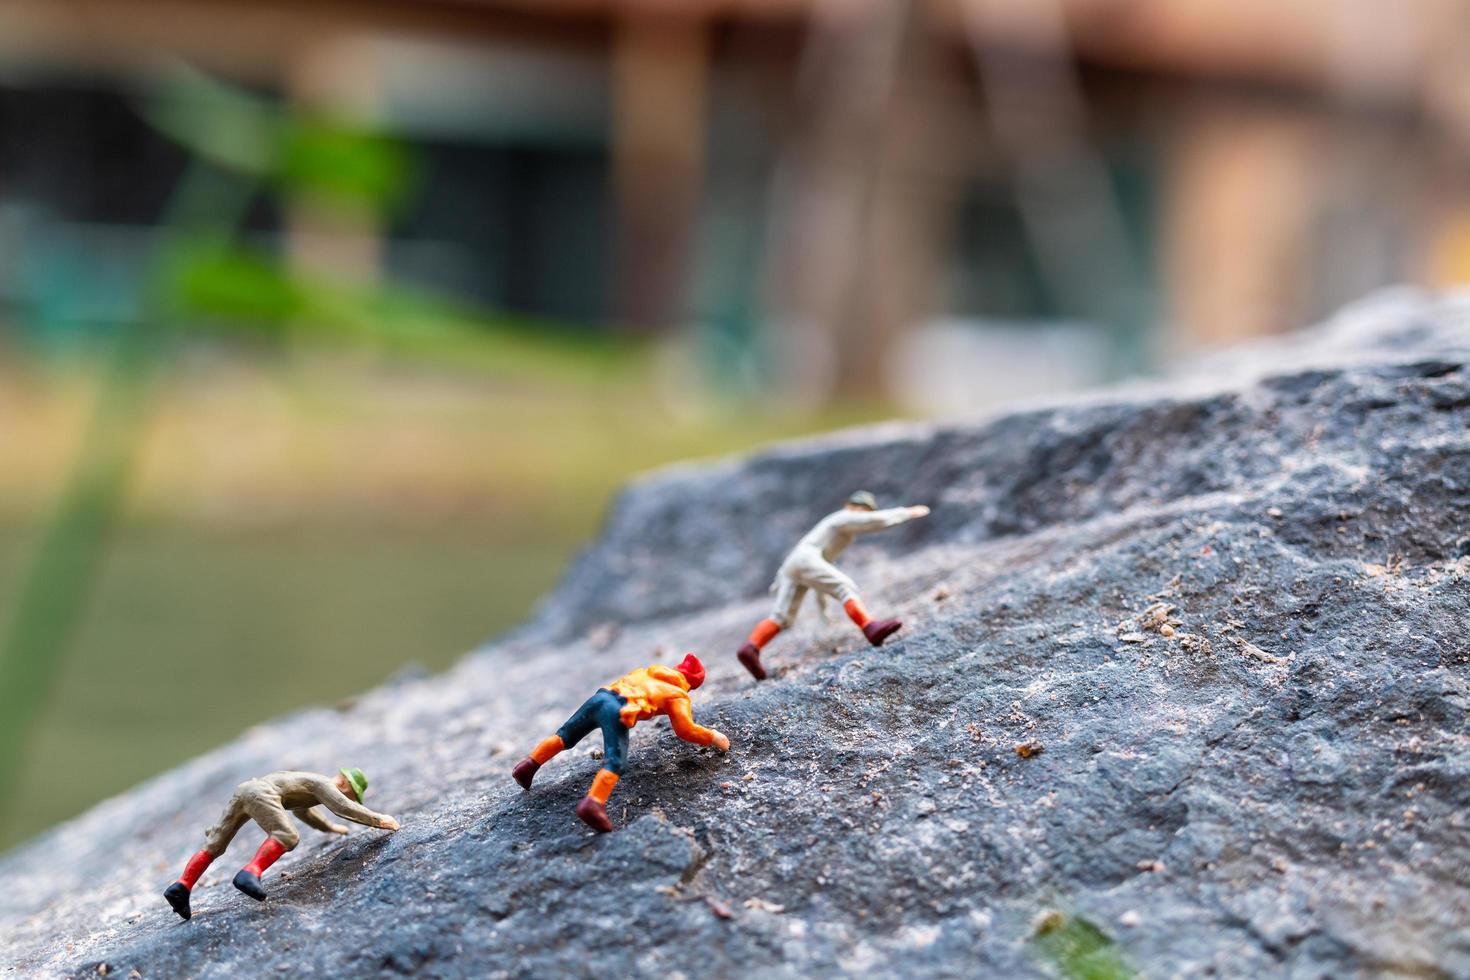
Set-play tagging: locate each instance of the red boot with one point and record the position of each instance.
(750, 654)
(525, 771)
(594, 815)
(750, 657)
(544, 752)
(880, 629)
(593, 808)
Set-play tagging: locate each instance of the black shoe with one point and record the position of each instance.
(250, 885)
(178, 896)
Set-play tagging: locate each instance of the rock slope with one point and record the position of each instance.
(1223, 620)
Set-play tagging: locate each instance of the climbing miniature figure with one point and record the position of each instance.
(266, 801)
(809, 566)
(639, 696)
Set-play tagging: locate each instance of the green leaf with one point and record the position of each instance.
(218, 122)
(1079, 950)
(231, 283)
(351, 164)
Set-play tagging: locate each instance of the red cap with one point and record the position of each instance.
(691, 668)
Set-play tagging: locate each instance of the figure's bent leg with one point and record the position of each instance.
(544, 752)
(593, 808)
(247, 879)
(573, 731)
(282, 837)
(749, 653)
(788, 601)
(201, 860)
(216, 839)
(177, 894)
(875, 630)
(836, 584)
(764, 632)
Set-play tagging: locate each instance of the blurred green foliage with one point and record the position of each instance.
(1079, 950)
(203, 274)
(234, 283)
(325, 158)
(308, 154)
(49, 599)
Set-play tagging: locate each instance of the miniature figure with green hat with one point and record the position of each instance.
(357, 781)
(270, 801)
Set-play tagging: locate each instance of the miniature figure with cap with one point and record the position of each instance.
(635, 697)
(266, 801)
(809, 566)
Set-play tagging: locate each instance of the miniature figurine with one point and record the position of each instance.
(266, 801)
(809, 566)
(635, 697)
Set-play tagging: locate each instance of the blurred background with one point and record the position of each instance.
(327, 327)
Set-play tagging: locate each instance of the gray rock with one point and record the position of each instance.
(1279, 788)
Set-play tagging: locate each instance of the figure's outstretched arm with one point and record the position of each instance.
(681, 717)
(877, 520)
(313, 817)
(333, 800)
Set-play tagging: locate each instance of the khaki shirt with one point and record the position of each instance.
(832, 535)
(303, 790)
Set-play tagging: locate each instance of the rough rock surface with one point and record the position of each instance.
(1229, 612)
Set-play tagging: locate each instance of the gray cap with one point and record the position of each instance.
(863, 499)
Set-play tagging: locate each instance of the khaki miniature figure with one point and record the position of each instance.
(809, 568)
(269, 801)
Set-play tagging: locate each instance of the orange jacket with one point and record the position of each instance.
(660, 690)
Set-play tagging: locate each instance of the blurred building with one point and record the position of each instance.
(829, 196)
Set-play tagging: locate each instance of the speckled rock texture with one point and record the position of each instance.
(1225, 616)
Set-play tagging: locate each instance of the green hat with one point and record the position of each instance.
(863, 499)
(358, 781)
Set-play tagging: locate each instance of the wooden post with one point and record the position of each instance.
(659, 69)
(1241, 187)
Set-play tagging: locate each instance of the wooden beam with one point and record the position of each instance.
(659, 68)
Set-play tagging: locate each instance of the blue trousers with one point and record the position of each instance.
(600, 711)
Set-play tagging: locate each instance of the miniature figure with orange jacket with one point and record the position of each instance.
(645, 693)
